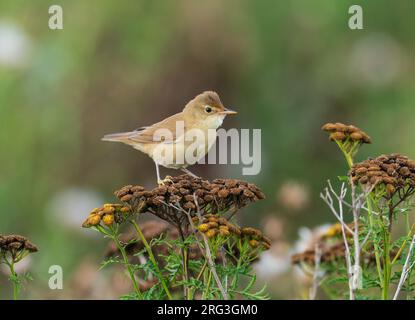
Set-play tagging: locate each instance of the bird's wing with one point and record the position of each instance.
(166, 131)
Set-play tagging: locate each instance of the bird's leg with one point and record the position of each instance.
(159, 180)
(189, 173)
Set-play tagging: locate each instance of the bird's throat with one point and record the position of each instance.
(214, 121)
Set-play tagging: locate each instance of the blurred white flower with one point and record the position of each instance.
(71, 206)
(14, 45)
(274, 261)
(377, 60)
(293, 195)
(273, 227)
(307, 238)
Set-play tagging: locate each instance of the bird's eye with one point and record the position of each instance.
(208, 109)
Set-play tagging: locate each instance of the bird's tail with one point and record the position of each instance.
(117, 137)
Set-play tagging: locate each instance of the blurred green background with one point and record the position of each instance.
(286, 66)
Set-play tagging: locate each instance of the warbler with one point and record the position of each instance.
(182, 139)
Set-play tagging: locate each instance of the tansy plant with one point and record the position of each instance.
(361, 253)
(197, 252)
(14, 248)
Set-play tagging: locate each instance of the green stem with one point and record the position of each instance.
(408, 228)
(387, 254)
(192, 292)
(184, 253)
(242, 251)
(128, 265)
(375, 245)
(402, 247)
(206, 291)
(347, 155)
(349, 160)
(14, 281)
(202, 270)
(185, 256)
(387, 265)
(152, 258)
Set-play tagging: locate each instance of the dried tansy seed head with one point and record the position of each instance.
(331, 252)
(108, 215)
(188, 194)
(341, 132)
(214, 225)
(211, 233)
(162, 234)
(255, 238)
(328, 253)
(330, 246)
(16, 247)
(224, 232)
(392, 173)
(249, 231)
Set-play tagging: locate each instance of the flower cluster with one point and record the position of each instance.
(341, 132)
(335, 230)
(16, 247)
(154, 229)
(213, 225)
(328, 253)
(190, 207)
(184, 195)
(392, 173)
(108, 214)
(329, 247)
(332, 252)
(329, 242)
(255, 238)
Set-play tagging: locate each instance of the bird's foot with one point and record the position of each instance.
(167, 179)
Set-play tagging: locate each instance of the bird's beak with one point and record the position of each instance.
(228, 111)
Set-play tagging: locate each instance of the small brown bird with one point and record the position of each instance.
(182, 139)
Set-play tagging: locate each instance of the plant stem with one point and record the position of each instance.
(212, 268)
(234, 282)
(349, 160)
(356, 242)
(127, 265)
(348, 156)
(348, 256)
(375, 245)
(153, 260)
(206, 291)
(402, 247)
(183, 251)
(405, 270)
(387, 268)
(209, 258)
(387, 265)
(14, 281)
(202, 271)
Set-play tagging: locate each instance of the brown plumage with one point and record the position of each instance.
(174, 134)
